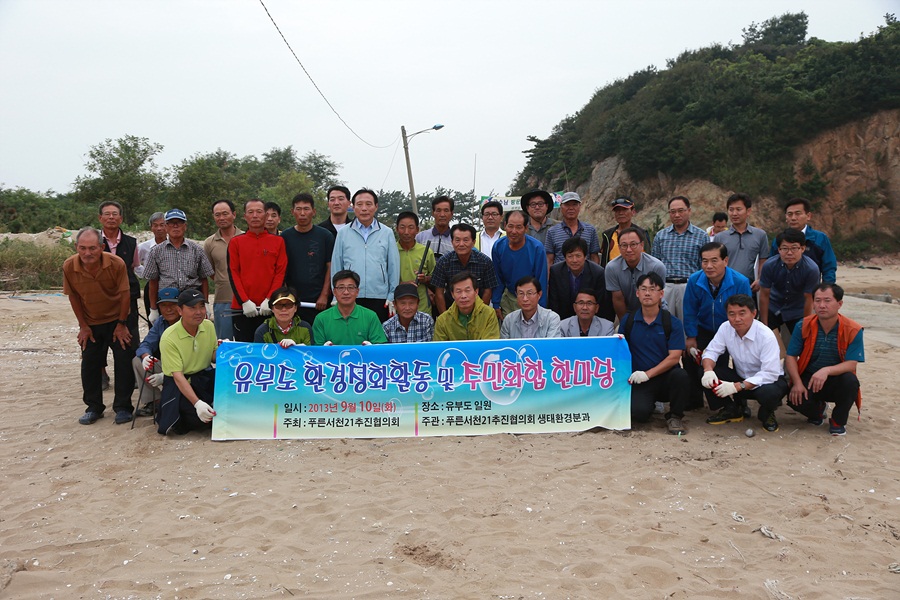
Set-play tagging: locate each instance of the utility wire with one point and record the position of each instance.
(314, 83)
(391, 166)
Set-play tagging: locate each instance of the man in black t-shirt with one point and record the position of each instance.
(309, 249)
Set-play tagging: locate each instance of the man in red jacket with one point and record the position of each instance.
(257, 262)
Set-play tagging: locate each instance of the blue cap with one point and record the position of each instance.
(176, 213)
(167, 295)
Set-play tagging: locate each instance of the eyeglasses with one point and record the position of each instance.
(285, 304)
(644, 289)
(346, 288)
(677, 211)
(582, 303)
(631, 245)
(789, 249)
(490, 214)
(528, 294)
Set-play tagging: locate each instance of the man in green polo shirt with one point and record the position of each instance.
(347, 323)
(188, 349)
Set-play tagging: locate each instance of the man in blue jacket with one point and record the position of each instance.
(797, 213)
(146, 361)
(704, 311)
(369, 249)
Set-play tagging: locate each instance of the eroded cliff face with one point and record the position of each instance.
(859, 161)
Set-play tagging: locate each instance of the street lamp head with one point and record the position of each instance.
(438, 126)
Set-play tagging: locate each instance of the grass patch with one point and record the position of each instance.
(28, 266)
(864, 245)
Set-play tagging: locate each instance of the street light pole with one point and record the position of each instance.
(412, 189)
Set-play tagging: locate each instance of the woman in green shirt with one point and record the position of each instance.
(284, 327)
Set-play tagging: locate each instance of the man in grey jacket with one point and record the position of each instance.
(531, 320)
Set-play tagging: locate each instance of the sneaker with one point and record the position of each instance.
(835, 429)
(747, 412)
(123, 416)
(771, 424)
(725, 416)
(90, 417)
(820, 418)
(675, 426)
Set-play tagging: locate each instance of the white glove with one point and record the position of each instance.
(153, 316)
(209, 312)
(264, 309)
(204, 411)
(156, 380)
(328, 343)
(148, 362)
(725, 388)
(696, 354)
(709, 379)
(390, 306)
(250, 309)
(366, 343)
(287, 343)
(638, 377)
(334, 301)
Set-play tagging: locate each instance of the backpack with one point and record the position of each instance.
(666, 323)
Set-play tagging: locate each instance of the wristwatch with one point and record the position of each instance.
(122, 322)
(742, 386)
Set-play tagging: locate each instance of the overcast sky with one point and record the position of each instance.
(198, 75)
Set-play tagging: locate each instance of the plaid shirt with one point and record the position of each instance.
(421, 329)
(480, 266)
(680, 252)
(182, 268)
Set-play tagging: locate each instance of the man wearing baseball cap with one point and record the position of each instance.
(538, 204)
(571, 226)
(409, 324)
(624, 211)
(188, 349)
(176, 263)
(146, 360)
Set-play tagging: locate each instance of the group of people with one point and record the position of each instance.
(687, 308)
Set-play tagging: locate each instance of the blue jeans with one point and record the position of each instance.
(222, 320)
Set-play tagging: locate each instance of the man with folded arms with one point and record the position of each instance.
(757, 372)
(821, 361)
(188, 349)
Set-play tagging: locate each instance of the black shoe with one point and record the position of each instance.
(725, 416)
(90, 417)
(770, 424)
(747, 412)
(146, 410)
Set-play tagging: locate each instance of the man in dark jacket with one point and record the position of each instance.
(623, 208)
(574, 274)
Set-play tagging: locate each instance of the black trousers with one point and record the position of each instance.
(176, 413)
(695, 372)
(672, 386)
(93, 359)
(769, 395)
(245, 327)
(841, 389)
(376, 304)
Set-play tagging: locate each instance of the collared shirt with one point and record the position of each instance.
(181, 267)
(485, 243)
(113, 244)
(186, 353)
(440, 242)
(648, 343)
(788, 287)
(621, 278)
(143, 251)
(680, 252)
(540, 233)
(216, 248)
(479, 265)
(150, 343)
(599, 327)
(362, 325)
(409, 269)
(100, 294)
(544, 323)
(825, 352)
(559, 233)
(421, 329)
(364, 230)
(744, 249)
(756, 356)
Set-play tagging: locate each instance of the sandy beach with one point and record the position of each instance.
(107, 511)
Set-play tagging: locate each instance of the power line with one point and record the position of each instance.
(314, 83)
(391, 166)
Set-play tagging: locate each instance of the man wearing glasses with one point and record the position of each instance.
(176, 263)
(491, 213)
(787, 282)
(347, 323)
(538, 204)
(678, 247)
(623, 272)
(516, 256)
(531, 320)
(585, 322)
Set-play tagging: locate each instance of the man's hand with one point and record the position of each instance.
(287, 343)
(156, 380)
(153, 317)
(328, 343)
(122, 335)
(638, 377)
(692, 350)
(264, 309)
(709, 380)
(322, 302)
(725, 389)
(250, 309)
(797, 394)
(499, 314)
(366, 343)
(85, 334)
(817, 381)
(204, 411)
(148, 361)
(390, 306)
(754, 287)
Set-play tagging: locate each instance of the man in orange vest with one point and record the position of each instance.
(821, 361)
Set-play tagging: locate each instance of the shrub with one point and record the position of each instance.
(28, 266)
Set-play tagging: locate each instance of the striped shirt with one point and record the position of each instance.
(559, 233)
(183, 267)
(680, 252)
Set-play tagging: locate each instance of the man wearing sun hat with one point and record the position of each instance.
(624, 211)
(146, 361)
(177, 262)
(538, 204)
(188, 349)
(409, 324)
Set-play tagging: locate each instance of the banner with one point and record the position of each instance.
(515, 202)
(264, 391)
